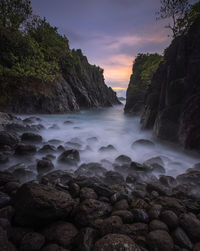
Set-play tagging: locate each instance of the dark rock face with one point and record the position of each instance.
(68, 93)
(172, 102)
(35, 204)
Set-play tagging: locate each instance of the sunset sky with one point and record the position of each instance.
(109, 32)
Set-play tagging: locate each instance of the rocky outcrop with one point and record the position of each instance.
(172, 104)
(70, 92)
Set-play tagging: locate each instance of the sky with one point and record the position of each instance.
(110, 32)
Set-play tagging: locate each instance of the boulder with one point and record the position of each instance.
(116, 242)
(108, 148)
(125, 215)
(112, 178)
(85, 239)
(32, 241)
(170, 219)
(61, 233)
(47, 149)
(8, 139)
(44, 166)
(69, 157)
(181, 239)
(91, 209)
(123, 159)
(160, 240)
(142, 143)
(23, 149)
(87, 193)
(31, 137)
(37, 204)
(157, 225)
(53, 247)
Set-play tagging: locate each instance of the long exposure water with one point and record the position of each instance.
(88, 130)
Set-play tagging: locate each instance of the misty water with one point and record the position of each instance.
(88, 130)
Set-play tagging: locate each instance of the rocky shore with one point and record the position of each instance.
(127, 207)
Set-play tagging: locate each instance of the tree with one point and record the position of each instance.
(174, 9)
(13, 13)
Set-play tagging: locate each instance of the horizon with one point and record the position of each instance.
(110, 33)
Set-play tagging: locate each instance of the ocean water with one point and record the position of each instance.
(88, 130)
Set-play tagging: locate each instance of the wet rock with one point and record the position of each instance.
(155, 160)
(37, 204)
(8, 139)
(140, 215)
(32, 241)
(125, 215)
(44, 166)
(181, 238)
(5, 200)
(55, 141)
(119, 196)
(112, 178)
(4, 224)
(7, 212)
(138, 167)
(11, 187)
(167, 181)
(49, 157)
(85, 239)
(154, 211)
(74, 189)
(90, 210)
(56, 177)
(170, 203)
(158, 187)
(107, 148)
(196, 247)
(170, 218)
(138, 203)
(24, 174)
(31, 120)
(31, 137)
(70, 157)
(61, 148)
(61, 233)
(4, 243)
(123, 159)
(53, 247)
(143, 143)
(157, 168)
(160, 240)
(3, 158)
(116, 242)
(68, 122)
(73, 145)
(157, 225)
(191, 225)
(121, 205)
(87, 193)
(54, 127)
(91, 169)
(23, 149)
(47, 149)
(111, 225)
(136, 229)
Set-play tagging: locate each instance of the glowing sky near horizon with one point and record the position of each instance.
(109, 32)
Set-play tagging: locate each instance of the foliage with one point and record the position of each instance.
(144, 67)
(181, 13)
(32, 48)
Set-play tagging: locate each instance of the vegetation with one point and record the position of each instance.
(31, 47)
(181, 13)
(144, 67)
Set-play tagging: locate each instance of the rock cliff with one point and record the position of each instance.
(172, 104)
(69, 92)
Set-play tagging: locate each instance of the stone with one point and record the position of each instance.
(90, 169)
(171, 203)
(4, 243)
(125, 215)
(116, 242)
(32, 241)
(107, 148)
(136, 229)
(196, 247)
(5, 200)
(157, 225)
(44, 166)
(37, 204)
(170, 219)
(154, 211)
(85, 239)
(123, 159)
(87, 193)
(181, 238)
(168, 181)
(53, 247)
(61, 233)
(112, 178)
(121, 205)
(23, 149)
(110, 225)
(47, 149)
(143, 143)
(8, 139)
(191, 225)
(91, 209)
(140, 215)
(31, 137)
(160, 240)
(69, 157)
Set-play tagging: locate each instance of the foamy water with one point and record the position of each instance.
(110, 126)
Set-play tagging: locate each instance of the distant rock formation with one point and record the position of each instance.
(70, 92)
(172, 104)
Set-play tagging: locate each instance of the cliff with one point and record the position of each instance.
(143, 69)
(68, 92)
(172, 104)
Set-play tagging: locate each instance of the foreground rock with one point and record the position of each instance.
(37, 204)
